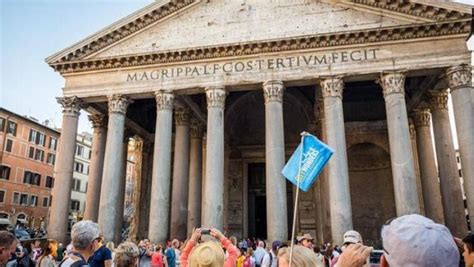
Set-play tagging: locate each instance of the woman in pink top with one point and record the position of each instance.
(209, 253)
(157, 258)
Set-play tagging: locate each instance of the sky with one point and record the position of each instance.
(31, 30)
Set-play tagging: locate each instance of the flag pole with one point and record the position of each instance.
(303, 134)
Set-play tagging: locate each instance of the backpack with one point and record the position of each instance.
(78, 263)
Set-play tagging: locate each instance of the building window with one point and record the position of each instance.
(37, 137)
(32, 178)
(76, 184)
(4, 172)
(2, 124)
(79, 150)
(9, 145)
(11, 128)
(39, 155)
(75, 205)
(53, 143)
(16, 198)
(36, 154)
(2, 196)
(31, 153)
(51, 159)
(45, 201)
(23, 199)
(49, 182)
(78, 167)
(33, 201)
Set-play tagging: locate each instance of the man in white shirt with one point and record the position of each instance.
(270, 259)
(259, 253)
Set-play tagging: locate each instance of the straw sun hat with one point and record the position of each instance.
(207, 254)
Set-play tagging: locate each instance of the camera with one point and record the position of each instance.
(205, 231)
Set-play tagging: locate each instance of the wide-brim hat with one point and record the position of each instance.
(303, 237)
(207, 254)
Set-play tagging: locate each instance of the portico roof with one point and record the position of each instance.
(388, 21)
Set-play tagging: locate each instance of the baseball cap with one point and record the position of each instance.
(414, 240)
(352, 237)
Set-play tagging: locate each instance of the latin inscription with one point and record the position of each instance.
(278, 63)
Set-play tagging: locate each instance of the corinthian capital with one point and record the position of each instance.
(421, 117)
(459, 76)
(197, 129)
(273, 91)
(392, 82)
(164, 100)
(215, 96)
(181, 115)
(98, 121)
(438, 99)
(332, 86)
(71, 105)
(118, 103)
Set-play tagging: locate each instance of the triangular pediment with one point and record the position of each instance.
(178, 25)
(222, 22)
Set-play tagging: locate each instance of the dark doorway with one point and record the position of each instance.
(257, 203)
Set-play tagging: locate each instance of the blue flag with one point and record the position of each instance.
(315, 156)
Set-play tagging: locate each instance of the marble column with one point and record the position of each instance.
(213, 197)
(338, 176)
(179, 198)
(428, 171)
(121, 191)
(401, 155)
(145, 190)
(459, 79)
(109, 207)
(94, 182)
(63, 169)
(277, 224)
(323, 181)
(160, 189)
(451, 192)
(195, 178)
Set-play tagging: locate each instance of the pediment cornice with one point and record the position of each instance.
(147, 17)
(415, 9)
(388, 34)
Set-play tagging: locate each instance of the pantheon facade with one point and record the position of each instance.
(219, 91)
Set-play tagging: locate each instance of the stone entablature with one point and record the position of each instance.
(141, 82)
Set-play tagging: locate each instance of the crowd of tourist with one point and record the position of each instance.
(410, 240)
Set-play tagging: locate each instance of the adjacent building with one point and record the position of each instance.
(80, 176)
(27, 158)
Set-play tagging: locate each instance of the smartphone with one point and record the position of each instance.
(205, 231)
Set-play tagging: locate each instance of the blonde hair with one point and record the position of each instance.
(110, 245)
(302, 256)
(126, 255)
(209, 254)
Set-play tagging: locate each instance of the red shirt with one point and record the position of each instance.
(156, 259)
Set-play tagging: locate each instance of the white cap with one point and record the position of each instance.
(414, 240)
(353, 237)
